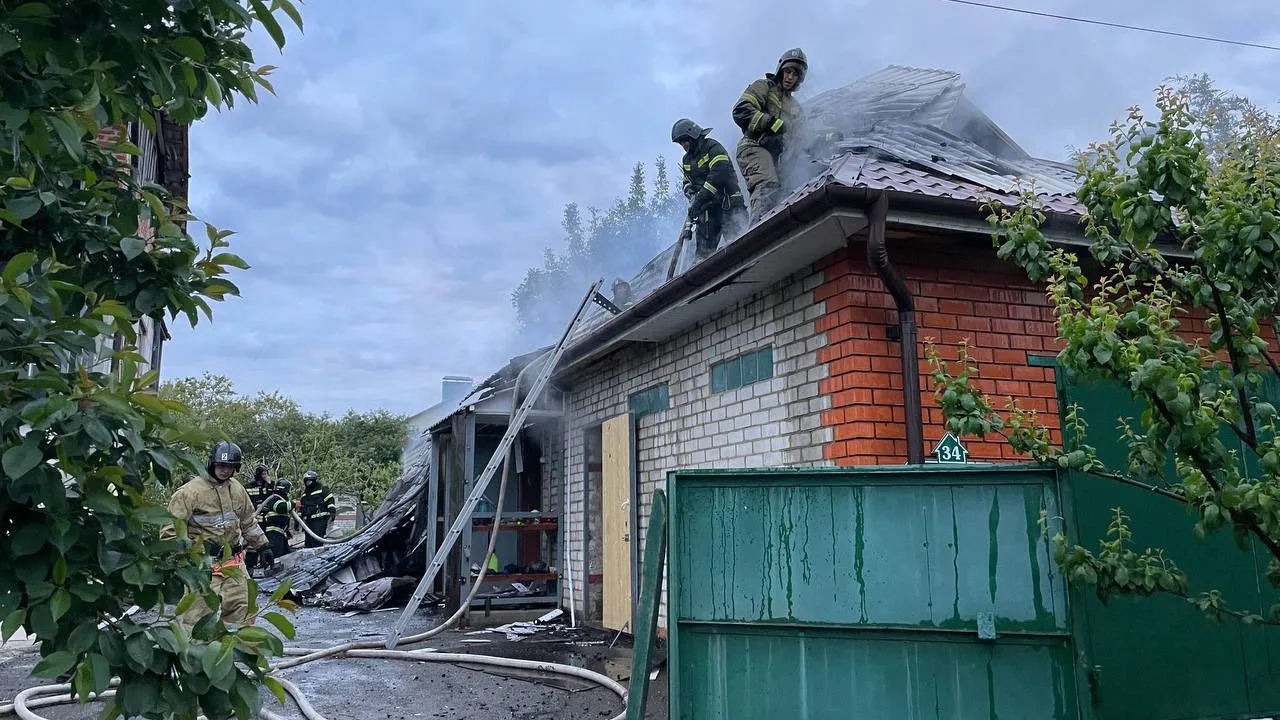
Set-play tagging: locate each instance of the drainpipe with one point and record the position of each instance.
(878, 257)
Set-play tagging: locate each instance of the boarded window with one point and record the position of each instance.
(742, 370)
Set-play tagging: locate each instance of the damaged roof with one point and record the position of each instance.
(911, 131)
(396, 508)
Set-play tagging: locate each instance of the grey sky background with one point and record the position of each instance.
(418, 155)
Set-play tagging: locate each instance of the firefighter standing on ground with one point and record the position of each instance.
(767, 114)
(318, 507)
(259, 490)
(276, 519)
(221, 519)
(715, 202)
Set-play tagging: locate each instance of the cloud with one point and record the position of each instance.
(418, 156)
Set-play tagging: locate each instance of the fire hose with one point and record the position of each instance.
(49, 695)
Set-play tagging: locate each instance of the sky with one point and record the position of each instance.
(417, 156)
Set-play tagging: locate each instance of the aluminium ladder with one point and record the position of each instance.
(463, 519)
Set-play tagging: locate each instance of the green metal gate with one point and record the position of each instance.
(1158, 658)
(903, 593)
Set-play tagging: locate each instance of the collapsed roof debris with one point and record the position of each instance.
(395, 532)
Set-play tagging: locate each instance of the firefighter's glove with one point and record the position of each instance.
(700, 202)
(686, 233)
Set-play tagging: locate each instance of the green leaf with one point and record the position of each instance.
(282, 624)
(189, 47)
(19, 264)
(22, 459)
(30, 10)
(54, 664)
(23, 207)
(186, 603)
(1102, 353)
(12, 622)
(101, 672)
(140, 649)
(292, 11)
(60, 603)
(268, 20)
(82, 683)
(230, 259)
(70, 133)
(276, 688)
(132, 247)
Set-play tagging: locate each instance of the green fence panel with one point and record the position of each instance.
(1158, 657)
(867, 592)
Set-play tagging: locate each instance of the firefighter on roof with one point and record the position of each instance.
(715, 202)
(318, 506)
(220, 518)
(768, 116)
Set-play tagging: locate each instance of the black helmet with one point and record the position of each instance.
(686, 129)
(224, 453)
(260, 472)
(282, 488)
(793, 57)
(310, 476)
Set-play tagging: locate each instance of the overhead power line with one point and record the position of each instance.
(1139, 28)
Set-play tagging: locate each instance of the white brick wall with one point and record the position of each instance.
(770, 423)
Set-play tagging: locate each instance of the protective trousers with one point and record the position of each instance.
(279, 541)
(233, 589)
(716, 222)
(760, 169)
(319, 526)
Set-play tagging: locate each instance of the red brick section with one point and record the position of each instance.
(963, 292)
(114, 134)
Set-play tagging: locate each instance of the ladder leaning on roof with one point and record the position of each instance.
(499, 455)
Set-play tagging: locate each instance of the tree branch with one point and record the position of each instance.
(1126, 480)
(1123, 479)
(1250, 435)
(1248, 521)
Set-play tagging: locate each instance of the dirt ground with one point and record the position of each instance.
(363, 689)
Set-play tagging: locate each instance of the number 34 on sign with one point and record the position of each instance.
(951, 450)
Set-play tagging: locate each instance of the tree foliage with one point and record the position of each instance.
(1155, 184)
(616, 243)
(82, 540)
(357, 454)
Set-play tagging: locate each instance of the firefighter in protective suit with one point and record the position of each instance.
(259, 490)
(276, 519)
(220, 518)
(768, 116)
(715, 202)
(318, 507)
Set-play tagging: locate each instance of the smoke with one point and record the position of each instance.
(620, 243)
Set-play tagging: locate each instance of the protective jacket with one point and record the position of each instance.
(766, 113)
(217, 514)
(318, 502)
(709, 178)
(258, 492)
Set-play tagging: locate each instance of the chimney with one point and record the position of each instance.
(455, 387)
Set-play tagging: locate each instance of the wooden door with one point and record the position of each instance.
(616, 501)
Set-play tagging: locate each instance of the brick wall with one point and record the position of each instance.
(836, 397)
(962, 293)
(772, 422)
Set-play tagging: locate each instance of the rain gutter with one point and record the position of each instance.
(878, 258)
